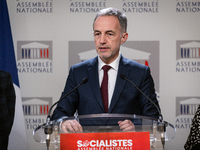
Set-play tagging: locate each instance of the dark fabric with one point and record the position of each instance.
(196, 147)
(126, 98)
(4, 142)
(193, 141)
(104, 87)
(7, 107)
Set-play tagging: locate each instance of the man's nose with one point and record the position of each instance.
(103, 39)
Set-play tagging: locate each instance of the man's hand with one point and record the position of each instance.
(71, 126)
(126, 125)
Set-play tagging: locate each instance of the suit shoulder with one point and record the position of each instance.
(5, 77)
(4, 74)
(85, 63)
(134, 64)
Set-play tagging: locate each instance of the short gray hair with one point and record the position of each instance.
(113, 12)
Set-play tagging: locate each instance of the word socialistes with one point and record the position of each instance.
(104, 143)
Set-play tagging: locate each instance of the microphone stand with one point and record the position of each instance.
(48, 127)
(161, 127)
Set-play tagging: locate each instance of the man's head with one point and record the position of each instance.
(109, 28)
(113, 12)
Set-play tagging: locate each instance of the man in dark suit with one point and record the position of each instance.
(7, 108)
(109, 29)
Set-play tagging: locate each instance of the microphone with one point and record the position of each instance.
(124, 78)
(85, 80)
(48, 128)
(160, 115)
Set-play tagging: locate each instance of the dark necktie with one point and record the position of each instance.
(104, 87)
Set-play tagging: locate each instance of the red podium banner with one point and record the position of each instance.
(105, 141)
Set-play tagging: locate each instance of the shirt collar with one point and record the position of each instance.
(114, 64)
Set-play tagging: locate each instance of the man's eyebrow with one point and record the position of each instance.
(96, 31)
(106, 31)
(109, 31)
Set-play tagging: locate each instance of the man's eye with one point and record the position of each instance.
(110, 35)
(96, 34)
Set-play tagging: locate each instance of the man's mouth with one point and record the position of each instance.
(102, 48)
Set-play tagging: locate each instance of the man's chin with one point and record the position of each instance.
(105, 59)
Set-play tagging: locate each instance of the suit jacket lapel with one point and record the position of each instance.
(94, 81)
(123, 69)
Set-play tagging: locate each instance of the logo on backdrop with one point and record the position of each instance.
(34, 57)
(188, 56)
(188, 7)
(140, 6)
(35, 110)
(86, 6)
(145, 52)
(32, 6)
(186, 108)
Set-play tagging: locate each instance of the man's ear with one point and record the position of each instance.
(124, 37)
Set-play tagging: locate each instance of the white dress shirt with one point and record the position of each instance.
(112, 75)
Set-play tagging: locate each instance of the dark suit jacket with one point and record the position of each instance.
(7, 107)
(126, 98)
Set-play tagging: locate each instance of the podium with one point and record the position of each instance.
(106, 125)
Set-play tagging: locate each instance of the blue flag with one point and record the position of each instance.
(17, 139)
(7, 56)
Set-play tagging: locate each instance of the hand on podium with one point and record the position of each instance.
(126, 125)
(71, 126)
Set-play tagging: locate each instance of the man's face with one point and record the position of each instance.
(108, 37)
